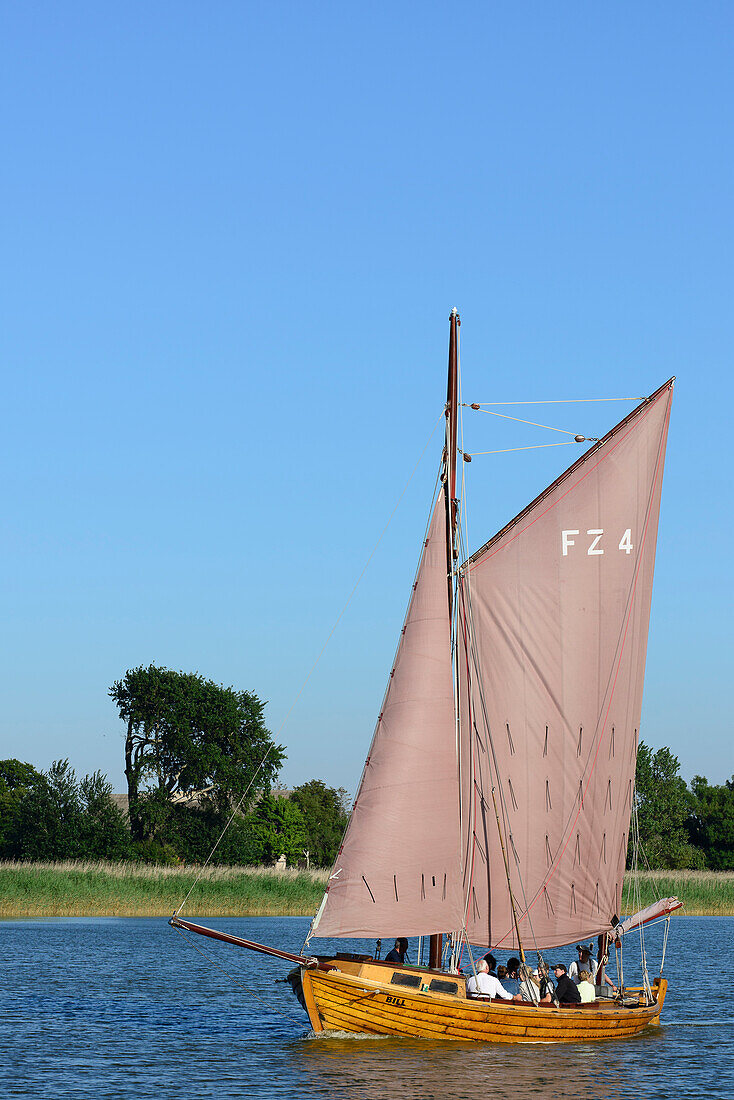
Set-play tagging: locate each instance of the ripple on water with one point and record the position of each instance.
(123, 1009)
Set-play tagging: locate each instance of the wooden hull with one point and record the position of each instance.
(338, 1001)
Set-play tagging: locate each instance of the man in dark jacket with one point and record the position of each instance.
(566, 991)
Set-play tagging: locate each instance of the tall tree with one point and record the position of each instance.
(663, 807)
(188, 738)
(325, 818)
(711, 824)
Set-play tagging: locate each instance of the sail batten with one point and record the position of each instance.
(553, 615)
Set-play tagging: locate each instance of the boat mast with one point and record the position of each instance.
(435, 951)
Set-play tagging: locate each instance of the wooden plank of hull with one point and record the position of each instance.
(341, 1002)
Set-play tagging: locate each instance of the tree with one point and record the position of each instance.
(325, 818)
(18, 782)
(189, 738)
(104, 830)
(274, 828)
(663, 807)
(711, 824)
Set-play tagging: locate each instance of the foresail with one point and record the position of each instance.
(398, 870)
(553, 620)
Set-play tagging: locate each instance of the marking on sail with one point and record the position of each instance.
(548, 803)
(548, 853)
(611, 745)
(545, 746)
(581, 735)
(512, 793)
(444, 887)
(423, 887)
(608, 799)
(474, 905)
(549, 910)
(573, 899)
(604, 847)
(628, 800)
(395, 884)
(577, 851)
(581, 793)
(595, 902)
(514, 850)
(364, 880)
(633, 753)
(509, 738)
(433, 879)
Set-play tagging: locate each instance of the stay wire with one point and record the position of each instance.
(227, 974)
(340, 616)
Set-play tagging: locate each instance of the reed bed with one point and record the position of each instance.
(74, 889)
(703, 893)
(99, 889)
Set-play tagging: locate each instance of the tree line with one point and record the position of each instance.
(198, 757)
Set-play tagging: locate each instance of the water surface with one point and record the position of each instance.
(125, 1008)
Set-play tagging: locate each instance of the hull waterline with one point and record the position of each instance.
(339, 1001)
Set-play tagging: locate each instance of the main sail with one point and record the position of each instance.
(552, 632)
(398, 870)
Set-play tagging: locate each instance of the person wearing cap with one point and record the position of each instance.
(566, 991)
(584, 962)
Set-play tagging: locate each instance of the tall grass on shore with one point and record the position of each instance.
(76, 889)
(100, 889)
(703, 893)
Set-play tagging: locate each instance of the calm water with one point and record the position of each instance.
(127, 1008)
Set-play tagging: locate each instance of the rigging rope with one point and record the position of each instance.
(211, 961)
(532, 423)
(340, 616)
(559, 401)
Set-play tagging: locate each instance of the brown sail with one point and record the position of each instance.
(398, 870)
(552, 634)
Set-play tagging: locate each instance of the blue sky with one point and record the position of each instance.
(231, 238)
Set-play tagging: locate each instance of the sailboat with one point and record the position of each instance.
(497, 797)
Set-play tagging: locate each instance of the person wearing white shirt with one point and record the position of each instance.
(486, 985)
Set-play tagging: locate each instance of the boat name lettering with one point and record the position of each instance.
(395, 1000)
(595, 533)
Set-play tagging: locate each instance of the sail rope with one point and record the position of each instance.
(507, 450)
(519, 420)
(558, 401)
(235, 981)
(302, 688)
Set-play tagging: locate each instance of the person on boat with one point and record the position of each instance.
(530, 987)
(587, 991)
(584, 961)
(485, 984)
(566, 991)
(491, 963)
(398, 953)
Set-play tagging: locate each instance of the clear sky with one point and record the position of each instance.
(231, 237)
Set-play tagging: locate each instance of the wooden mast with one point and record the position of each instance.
(435, 951)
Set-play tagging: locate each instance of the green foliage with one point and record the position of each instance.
(711, 823)
(186, 737)
(52, 816)
(664, 805)
(274, 828)
(325, 817)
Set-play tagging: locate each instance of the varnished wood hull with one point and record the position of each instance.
(337, 1001)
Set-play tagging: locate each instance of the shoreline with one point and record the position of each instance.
(31, 891)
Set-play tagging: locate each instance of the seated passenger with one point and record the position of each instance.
(491, 963)
(530, 986)
(587, 992)
(487, 985)
(398, 953)
(546, 985)
(566, 991)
